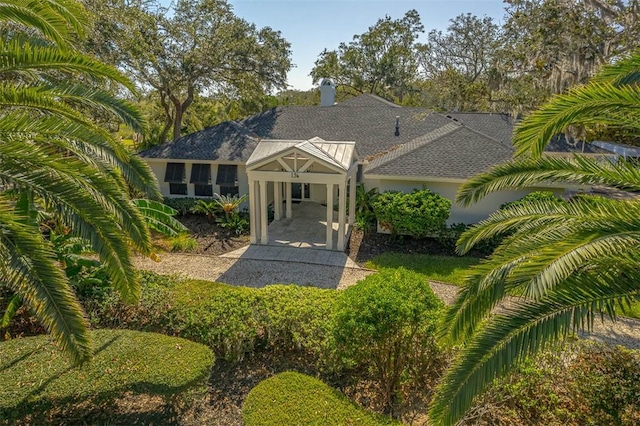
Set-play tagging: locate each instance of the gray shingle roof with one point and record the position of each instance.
(457, 154)
(228, 141)
(456, 145)
(497, 126)
(367, 120)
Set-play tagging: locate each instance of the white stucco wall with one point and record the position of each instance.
(471, 214)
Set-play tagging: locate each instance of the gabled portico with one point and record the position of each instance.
(277, 164)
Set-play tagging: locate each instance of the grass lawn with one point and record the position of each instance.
(448, 269)
(148, 377)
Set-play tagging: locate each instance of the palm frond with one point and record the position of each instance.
(523, 331)
(624, 72)
(54, 19)
(541, 252)
(30, 269)
(160, 217)
(531, 172)
(24, 56)
(596, 103)
(88, 202)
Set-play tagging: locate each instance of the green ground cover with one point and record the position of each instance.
(448, 269)
(296, 399)
(39, 386)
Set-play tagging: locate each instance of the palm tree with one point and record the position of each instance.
(570, 262)
(64, 162)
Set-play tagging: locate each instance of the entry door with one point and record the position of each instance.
(296, 190)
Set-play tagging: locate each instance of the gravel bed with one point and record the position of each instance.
(253, 273)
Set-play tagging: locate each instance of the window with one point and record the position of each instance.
(227, 175)
(201, 180)
(174, 173)
(227, 178)
(200, 190)
(178, 188)
(229, 190)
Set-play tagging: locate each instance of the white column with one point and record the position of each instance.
(352, 199)
(264, 237)
(289, 196)
(277, 200)
(329, 216)
(342, 204)
(254, 212)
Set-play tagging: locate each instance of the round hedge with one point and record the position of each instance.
(38, 379)
(419, 214)
(295, 399)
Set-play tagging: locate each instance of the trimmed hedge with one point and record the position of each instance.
(296, 399)
(231, 320)
(38, 384)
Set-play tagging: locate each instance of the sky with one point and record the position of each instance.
(313, 25)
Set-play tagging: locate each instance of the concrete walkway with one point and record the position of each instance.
(292, 254)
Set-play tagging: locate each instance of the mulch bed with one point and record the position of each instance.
(364, 246)
(211, 238)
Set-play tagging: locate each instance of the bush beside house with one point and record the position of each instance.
(419, 214)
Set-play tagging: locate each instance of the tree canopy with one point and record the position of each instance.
(382, 61)
(196, 48)
(542, 48)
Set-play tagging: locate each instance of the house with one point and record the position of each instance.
(319, 153)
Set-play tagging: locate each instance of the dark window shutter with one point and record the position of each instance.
(174, 173)
(201, 173)
(227, 175)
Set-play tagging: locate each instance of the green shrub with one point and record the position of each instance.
(365, 218)
(538, 392)
(235, 222)
(39, 386)
(226, 318)
(105, 309)
(582, 383)
(448, 236)
(183, 243)
(182, 205)
(609, 379)
(298, 318)
(387, 322)
(208, 207)
(295, 399)
(418, 214)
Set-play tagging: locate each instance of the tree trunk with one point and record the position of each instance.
(180, 109)
(168, 118)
